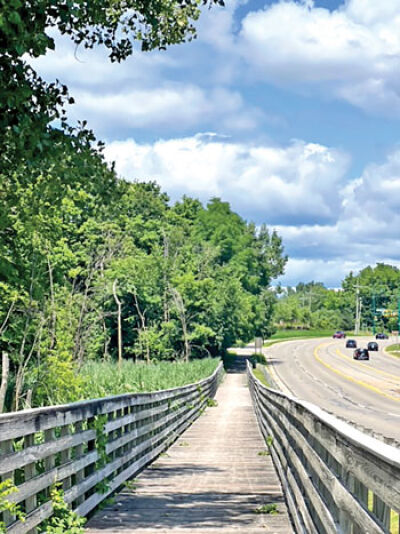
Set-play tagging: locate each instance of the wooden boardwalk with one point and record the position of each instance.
(211, 481)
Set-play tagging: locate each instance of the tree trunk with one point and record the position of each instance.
(118, 302)
(182, 315)
(5, 369)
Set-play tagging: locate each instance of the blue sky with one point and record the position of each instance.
(290, 110)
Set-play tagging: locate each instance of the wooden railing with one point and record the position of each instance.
(336, 478)
(90, 447)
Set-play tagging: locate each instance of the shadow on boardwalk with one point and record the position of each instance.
(202, 511)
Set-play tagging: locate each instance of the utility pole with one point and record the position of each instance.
(358, 308)
(373, 313)
(398, 316)
(357, 321)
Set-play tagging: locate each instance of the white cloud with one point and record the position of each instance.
(352, 52)
(296, 183)
(169, 106)
(330, 272)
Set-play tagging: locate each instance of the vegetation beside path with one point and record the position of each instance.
(102, 379)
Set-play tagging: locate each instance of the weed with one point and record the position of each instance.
(263, 453)
(63, 518)
(183, 444)
(131, 485)
(270, 508)
(269, 441)
(7, 487)
(212, 403)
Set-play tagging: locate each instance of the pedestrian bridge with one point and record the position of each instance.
(252, 461)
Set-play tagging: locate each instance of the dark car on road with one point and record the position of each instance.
(351, 344)
(361, 354)
(372, 345)
(381, 335)
(339, 335)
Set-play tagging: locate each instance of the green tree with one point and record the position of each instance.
(29, 105)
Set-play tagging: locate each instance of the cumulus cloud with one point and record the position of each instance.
(169, 107)
(330, 272)
(352, 52)
(366, 230)
(294, 184)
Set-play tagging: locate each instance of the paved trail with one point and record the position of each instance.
(210, 481)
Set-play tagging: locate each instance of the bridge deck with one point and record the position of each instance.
(211, 481)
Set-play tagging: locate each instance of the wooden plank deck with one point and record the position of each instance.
(211, 481)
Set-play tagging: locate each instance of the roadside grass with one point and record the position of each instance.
(293, 335)
(261, 377)
(299, 334)
(101, 379)
(394, 350)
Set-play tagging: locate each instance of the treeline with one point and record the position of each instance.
(312, 305)
(95, 268)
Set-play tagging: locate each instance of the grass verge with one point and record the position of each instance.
(292, 335)
(394, 350)
(261, 377)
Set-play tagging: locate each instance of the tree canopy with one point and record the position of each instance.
(29, 105)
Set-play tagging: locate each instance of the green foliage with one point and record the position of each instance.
(190, 280)
(313, 307)
(63, 520)
(269, 508)
(29, 104)
(7, 488)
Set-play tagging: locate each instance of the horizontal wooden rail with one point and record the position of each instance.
(337, 479)
(90, 447)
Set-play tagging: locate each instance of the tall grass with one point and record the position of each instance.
(101, 379)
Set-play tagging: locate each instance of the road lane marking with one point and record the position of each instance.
(374, 369)
(350, 378)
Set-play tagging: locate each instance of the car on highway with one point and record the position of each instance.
(351, 344)
(339, 335)
(372, 345)
(381, 335)
(361, 354)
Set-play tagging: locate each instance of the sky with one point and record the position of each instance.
(289, 110)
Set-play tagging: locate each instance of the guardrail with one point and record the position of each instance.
(336, 478)
(91, 447)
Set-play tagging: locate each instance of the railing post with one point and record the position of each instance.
(6, 447)
(361, 493)
(30, 472)
(381, 511)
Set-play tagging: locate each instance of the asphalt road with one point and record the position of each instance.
(322, 371)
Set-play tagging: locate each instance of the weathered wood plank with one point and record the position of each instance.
(340, 494)
(34, 453)
(140, 426)
(379, 472)
(331, 458)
